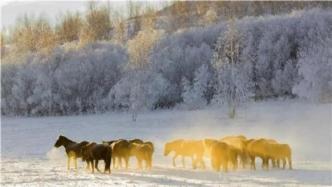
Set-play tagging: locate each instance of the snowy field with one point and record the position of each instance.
(29, 159)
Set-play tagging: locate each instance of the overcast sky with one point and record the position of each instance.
(12, 10)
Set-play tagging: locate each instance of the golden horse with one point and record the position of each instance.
(260, 148)
(219, 153)
(281, 152)
(143, 153)
(186, 148)
(238, 143)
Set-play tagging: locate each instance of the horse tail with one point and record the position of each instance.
(152, 146)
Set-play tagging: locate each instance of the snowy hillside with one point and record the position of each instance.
(29, 159)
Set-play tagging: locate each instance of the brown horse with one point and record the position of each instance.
(73, 149)
(93, 152)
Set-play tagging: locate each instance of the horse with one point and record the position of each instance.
(73, 149)
(260, 148)
(121, 151)
(219, 153)
(186, 148)
(279, 152)
(142, 152)
(93, 152)
(238, 143)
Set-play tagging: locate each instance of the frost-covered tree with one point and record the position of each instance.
(65, 82)
(284, 79)
(140, 47)
(139, 90)
(33, 35)
(210, 16)
(181, 55)
(87, 76)
(315, 69)
(97, 25)
(234, 83)
(194, 96)
(23, 86)
(69, 27)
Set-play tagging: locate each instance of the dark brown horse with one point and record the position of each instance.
(93, 152)
(73, 149)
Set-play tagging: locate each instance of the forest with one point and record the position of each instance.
(97, 62)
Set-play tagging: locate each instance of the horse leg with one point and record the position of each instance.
(75, 162)
(109, 165)
(243, 160)
(264, 163)
(150, 161)
(193, 162)
(106, 162)
(120, 160)
(114, 162)
(289, 162)
(96, 165)
(139, 163)
(174, 164)
(87, 165)
(202, 162)
(92, 166)
(127, 162)
(68, 163)
(146, 166)
(253, 164)
(183, 162)
(225, 166)
(234, 164)
(283, 163)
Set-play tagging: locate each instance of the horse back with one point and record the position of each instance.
(76, 148)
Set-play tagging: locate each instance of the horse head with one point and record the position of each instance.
(167, 149)
(62, 140)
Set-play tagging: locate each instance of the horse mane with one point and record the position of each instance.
(67, 139)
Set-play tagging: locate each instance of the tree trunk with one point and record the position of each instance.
(134, 116)
(232, 111)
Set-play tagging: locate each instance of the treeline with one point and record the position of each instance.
(250, 58)
(98, 23)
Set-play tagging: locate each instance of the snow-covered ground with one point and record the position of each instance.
(29, 159)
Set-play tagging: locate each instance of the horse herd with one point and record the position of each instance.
(224, 153)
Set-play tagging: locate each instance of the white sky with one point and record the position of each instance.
(12, 10)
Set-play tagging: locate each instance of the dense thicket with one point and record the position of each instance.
(278, 56)
(65, 82)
